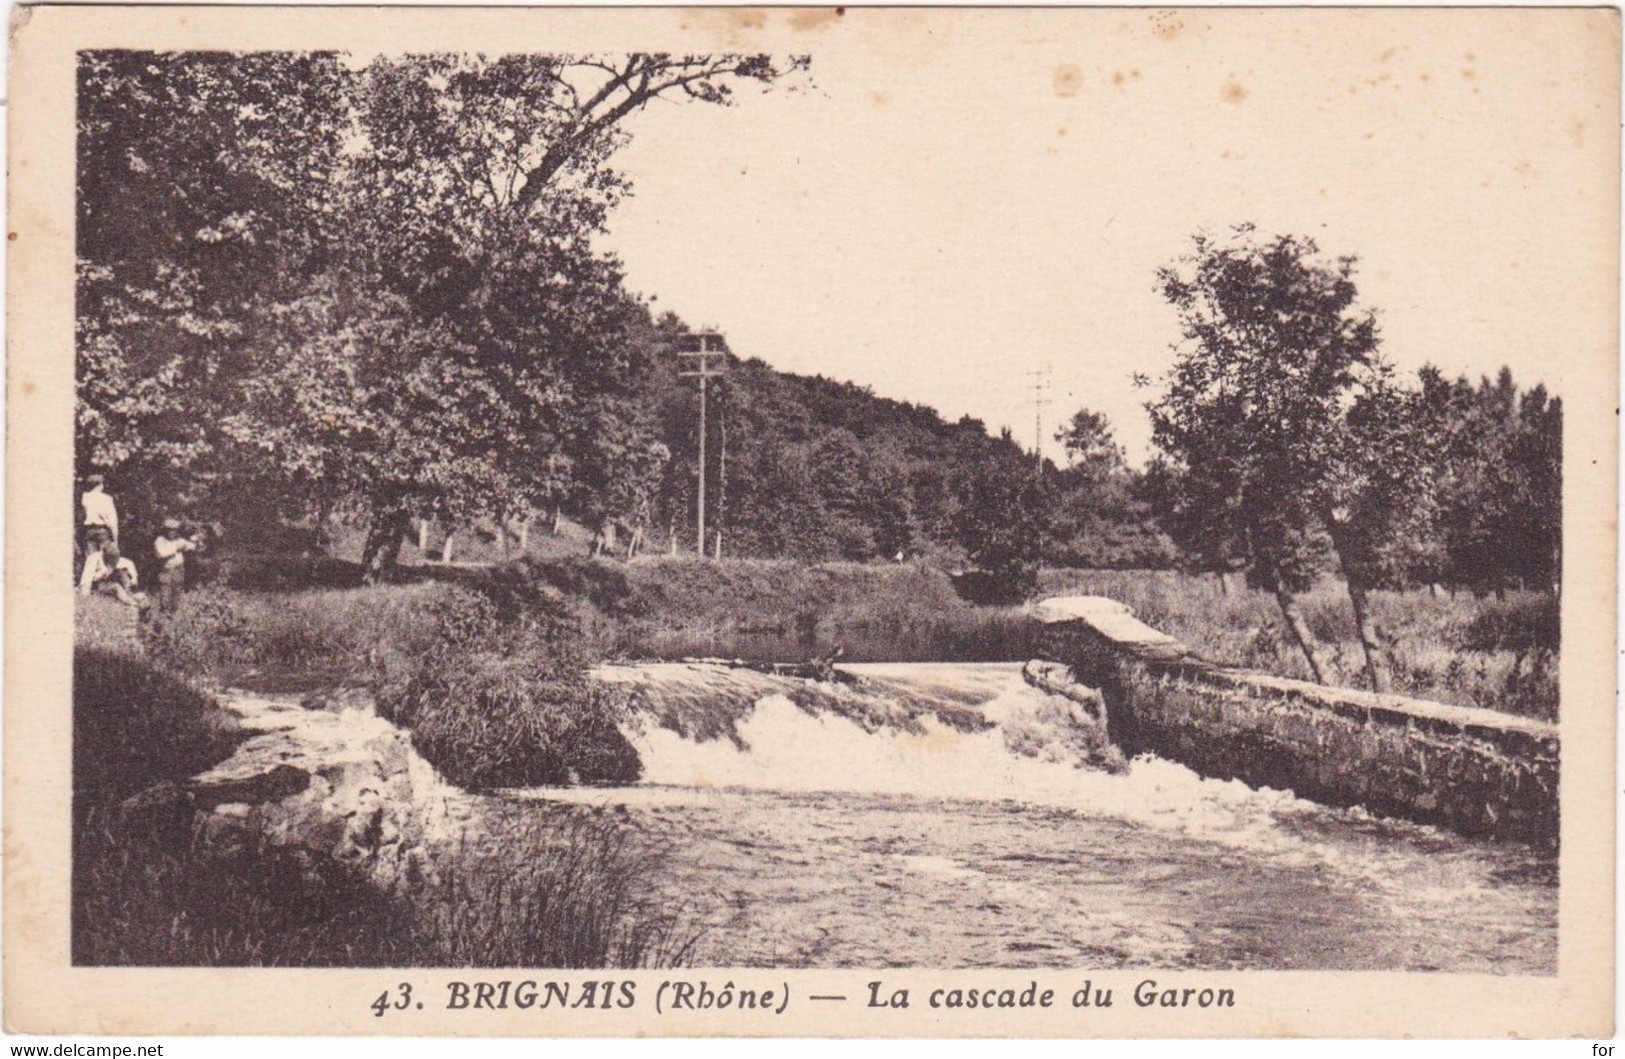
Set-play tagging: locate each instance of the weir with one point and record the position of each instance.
(1479, 772)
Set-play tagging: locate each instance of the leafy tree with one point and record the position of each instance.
(204, 195)
(372, 287)
(1090, 447)
(1498, 463)
(1002, 508)
(1378, 502)
(1254, 425)
(1101, 517)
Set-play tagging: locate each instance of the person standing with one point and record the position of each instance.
(171, 546)
(100, 518)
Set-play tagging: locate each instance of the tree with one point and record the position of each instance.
(373, 283)
(1100, 518)
(1090, 447)
(204, 195)
(1378, 502)
(1254, 424)
(1498, 464)
(1002, 508)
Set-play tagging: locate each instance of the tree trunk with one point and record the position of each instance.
(1224, 582)
(445, 551)
(423, 537)
(524, 535)
(1300, 631)
(383, 548)
(1376, 655)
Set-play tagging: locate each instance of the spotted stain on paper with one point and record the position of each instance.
(1068, 80)
(815, 18)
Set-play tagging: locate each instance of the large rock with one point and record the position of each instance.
(337, 784)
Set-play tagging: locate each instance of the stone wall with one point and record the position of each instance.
(1476, 771)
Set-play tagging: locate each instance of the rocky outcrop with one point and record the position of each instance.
(339, 785)
(1476, 771)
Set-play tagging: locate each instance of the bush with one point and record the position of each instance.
(519, 713)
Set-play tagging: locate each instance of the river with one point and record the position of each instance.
(813, 838)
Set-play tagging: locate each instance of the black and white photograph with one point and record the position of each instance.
(846, 521)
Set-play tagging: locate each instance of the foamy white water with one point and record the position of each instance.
(820, 843)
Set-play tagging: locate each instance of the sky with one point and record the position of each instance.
(959, 199)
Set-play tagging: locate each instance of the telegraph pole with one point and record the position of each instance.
(703, 347)
(722, 482)
(1041, 383)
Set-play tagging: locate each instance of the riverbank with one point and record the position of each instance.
(488, 681)
(218, 828)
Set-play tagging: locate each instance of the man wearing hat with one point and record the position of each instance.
(171, 546)
(100, 519)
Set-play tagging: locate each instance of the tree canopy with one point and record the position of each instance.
(1255, 423)
(374, 287)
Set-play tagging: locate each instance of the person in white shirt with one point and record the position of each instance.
(171, 546)
(100, 519)
(106, 571)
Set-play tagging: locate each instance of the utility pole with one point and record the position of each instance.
(722, 482)
(1041, 384)
(702, 346)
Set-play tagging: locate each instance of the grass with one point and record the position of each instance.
(149, 892)
(494, 692)
(135, 726)
(1499, 655)
(577, 899)
(493, 698)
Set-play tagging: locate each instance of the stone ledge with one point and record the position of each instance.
(1474, 770)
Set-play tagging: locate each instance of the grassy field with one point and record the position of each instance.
(1496, 654)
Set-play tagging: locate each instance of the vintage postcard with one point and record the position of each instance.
(1091, 522)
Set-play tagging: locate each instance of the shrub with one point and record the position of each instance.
(1523, 622)
(517, 712)
(220, 634)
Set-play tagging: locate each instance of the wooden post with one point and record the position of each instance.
(709, 345)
